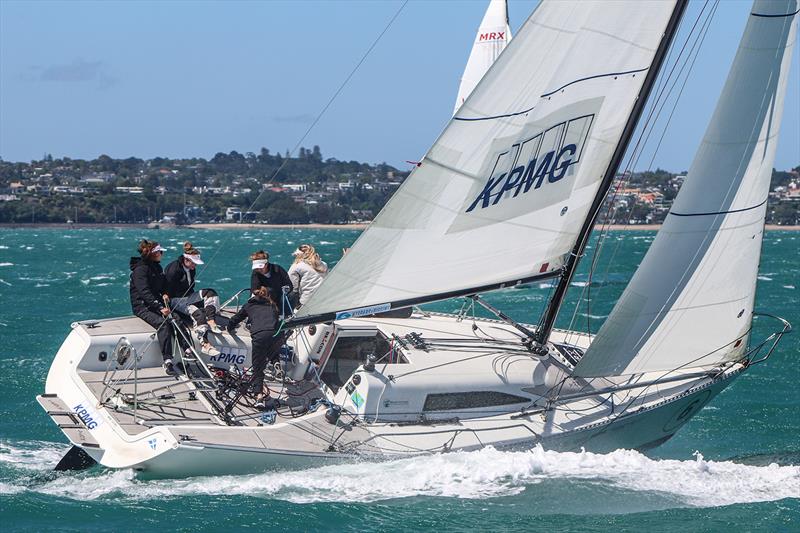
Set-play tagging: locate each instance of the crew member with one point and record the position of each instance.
(148, 296)
(262, 315)
(273, 277)
(201, 305)
(307, 272)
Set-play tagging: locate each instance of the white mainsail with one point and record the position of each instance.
(690, 302)
(501, 196)
(492, 37)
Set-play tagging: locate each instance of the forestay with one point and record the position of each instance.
(690, 303)
(492, 37)
(500, 197)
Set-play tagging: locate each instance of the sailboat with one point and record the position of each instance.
(507, 195)
(493, 35)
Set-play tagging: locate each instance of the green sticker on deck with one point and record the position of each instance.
(356, 399)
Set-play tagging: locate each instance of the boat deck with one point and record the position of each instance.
(138, 401)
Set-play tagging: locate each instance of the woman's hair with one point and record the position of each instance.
(262, 293)
(188, 249)
(261, 254)
(146, 248)
(309, 256)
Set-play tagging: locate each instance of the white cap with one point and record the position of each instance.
(260, 263)
(297, 253)
(194, 259)
(158, 248)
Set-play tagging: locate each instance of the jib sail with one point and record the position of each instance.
(690, 302)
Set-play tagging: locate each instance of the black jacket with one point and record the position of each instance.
(178, 284)
(261, 315)
(147, 285)
(274, 280)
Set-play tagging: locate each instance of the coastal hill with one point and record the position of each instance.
(277, 189)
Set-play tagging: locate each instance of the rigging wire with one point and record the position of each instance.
(322, 112)
(302, 138)
(690, 61)
(655, 110)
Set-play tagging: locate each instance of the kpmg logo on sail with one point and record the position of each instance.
(528, 165)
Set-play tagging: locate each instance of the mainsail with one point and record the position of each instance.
(690, 302)
(501, 196)
(492, 37)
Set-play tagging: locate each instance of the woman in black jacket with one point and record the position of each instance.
(262, 314)
(148, 290)
(180, 274)
(273, 277)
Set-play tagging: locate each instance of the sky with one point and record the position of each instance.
(190, 79)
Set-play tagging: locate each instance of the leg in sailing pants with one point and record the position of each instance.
(266, 347)
(202, 306)
(165, 333)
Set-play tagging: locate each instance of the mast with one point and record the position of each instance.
(554, 305)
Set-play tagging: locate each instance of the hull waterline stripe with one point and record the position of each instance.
(775, 16)
(545, 95)
(719, 212)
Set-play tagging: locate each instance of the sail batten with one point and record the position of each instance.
(499, 200)
(690, 302)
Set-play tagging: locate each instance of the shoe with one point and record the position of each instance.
(267, 404)
(201, 331)
(169, 368)
(208, 349)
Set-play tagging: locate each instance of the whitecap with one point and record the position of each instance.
(42, 285)
(6, 264)
(480, 474)
(4, 282)
(764, 278)
(3, 247)
(788, 287)
(31, 455)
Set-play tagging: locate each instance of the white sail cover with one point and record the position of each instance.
(492, 37)
(502, 194)
(690, 303)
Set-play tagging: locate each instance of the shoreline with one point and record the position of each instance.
(234, 226)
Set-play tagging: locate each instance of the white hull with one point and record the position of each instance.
(185, 437)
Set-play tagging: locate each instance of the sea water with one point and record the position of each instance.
(734, 466)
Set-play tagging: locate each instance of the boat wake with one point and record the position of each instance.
(487, 473)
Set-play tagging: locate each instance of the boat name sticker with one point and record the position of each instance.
(363, 311)
(230, 355)
(153, 443)
(87, 416)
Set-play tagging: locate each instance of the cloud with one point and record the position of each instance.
(79, 71)
(303, 118)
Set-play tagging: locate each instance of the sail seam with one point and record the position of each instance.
(719, 212)
(780, 15)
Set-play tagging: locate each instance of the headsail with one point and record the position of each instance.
(502, 194)
(492, 37)
(690, 303)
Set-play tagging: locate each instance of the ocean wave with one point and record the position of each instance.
(31, 455)
(6, 264)
(483, 474)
